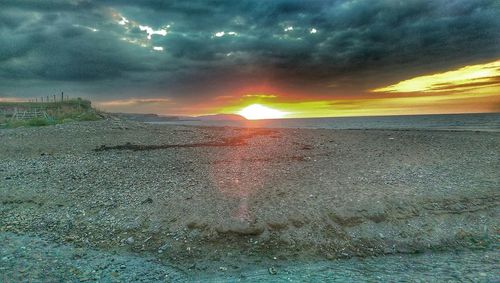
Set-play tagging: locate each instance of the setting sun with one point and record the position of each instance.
(257, 111)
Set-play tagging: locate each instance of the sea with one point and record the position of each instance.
(457, 122)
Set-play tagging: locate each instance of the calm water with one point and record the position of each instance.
(474, 122)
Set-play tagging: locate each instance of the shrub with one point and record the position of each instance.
(37, 122)
(88, 116)
(15, 124)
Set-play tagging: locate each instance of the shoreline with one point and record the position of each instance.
(284, 193)
(457, 122)
(332, 129)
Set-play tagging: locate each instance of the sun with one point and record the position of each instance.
(257, 111)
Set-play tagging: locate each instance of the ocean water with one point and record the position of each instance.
(459, 122)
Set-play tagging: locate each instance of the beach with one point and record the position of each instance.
(209, 199)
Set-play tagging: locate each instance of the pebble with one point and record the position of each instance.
(272, 270)
(122, 185)
(130, 240)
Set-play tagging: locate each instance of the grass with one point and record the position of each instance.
(58, 112)
(37, 122)
(73, 103)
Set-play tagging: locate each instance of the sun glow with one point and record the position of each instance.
(257, 111)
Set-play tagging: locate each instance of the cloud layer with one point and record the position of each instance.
(195, 50)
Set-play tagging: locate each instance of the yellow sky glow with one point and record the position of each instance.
(466, 78)
(469, 89)
(414, 105)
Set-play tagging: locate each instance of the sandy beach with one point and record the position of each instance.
(203, 198)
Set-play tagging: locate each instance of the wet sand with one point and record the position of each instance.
(201, 198)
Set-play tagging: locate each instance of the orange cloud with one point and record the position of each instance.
(474, 88)
(470, 89)
(136, 105)
(373, 106)
(11, 99)
(132, 101)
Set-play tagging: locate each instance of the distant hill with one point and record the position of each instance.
(221, 117)
(159, 118)
(139, 117)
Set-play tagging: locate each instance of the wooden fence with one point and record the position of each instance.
(28, 114)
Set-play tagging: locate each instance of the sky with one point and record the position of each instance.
(302, 58)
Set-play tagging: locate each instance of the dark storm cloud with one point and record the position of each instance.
(350, 44)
